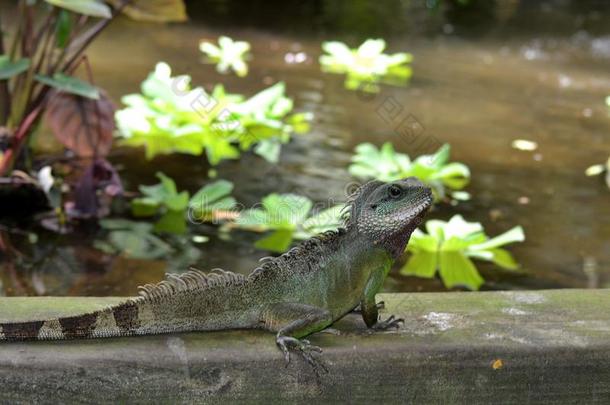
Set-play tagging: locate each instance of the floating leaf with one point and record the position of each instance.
(435, 170)
(449, 246)
(228, 55)
(170, 116)
(212, 197)
(367, 65)
(10, 68)
(70, 84)
(83, 125)
(279, 241)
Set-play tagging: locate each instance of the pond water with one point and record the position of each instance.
(482, 78)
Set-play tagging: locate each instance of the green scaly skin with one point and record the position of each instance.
(296, 294)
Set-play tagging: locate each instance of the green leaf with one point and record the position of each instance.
(269, 149)
(421, 264)
(133, 239)
(70, 84)
(504, 259)
(92, 8)
(515, 234)
(63, 29)
(212, 197)
(286, 210)
(144, 207)
(163, 193)
(323, 221)
(171, 222)
(253, 218)
(279, 241)
(10, 68)
(457, 270)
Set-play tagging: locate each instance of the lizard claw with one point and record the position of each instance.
(389, 323)
(305, 348)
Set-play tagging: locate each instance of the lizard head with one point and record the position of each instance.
(387, 213)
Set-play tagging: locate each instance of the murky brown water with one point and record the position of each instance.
(538, 72)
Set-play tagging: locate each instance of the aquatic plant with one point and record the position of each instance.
(600, 169)
(163, 200)
(289, 217)
(139, 240)
(228, 55)
(448, 247)
(367, 65)
(170, 116)
(38, 66)
(385, 164)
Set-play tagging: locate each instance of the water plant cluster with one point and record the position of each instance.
(364, 67)
(172, 115)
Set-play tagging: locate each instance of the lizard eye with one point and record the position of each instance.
(394, 191)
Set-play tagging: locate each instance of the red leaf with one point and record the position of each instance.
(83, 125)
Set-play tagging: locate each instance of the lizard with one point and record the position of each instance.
(303, 291)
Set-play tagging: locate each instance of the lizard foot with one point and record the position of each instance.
(379, 305)
(304, 347)
(389, 323)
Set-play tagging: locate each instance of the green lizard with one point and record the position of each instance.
(298, 293)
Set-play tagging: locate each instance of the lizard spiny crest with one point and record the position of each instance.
(192, 280)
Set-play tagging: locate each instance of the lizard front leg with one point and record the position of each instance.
(370, 309)
(293, 321)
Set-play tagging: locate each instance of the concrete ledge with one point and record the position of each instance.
(500, 347)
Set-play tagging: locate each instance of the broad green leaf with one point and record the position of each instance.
(253, 218)
(423, 243)
(144, 207)
(164, 193)
(325, 220)
(10, 68)
(457, 270)
(279, 241)
(269, 149)
(504, 259)
(286, 210)
(134, 239)
(371, 48)
(92, 8)
(458, 227)
(515, 234)
(263, 100)
(70, 84)
(435, 227)
(421, 264)
(212, 197)
(171, 222)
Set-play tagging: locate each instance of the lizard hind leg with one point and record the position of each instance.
(292, 322)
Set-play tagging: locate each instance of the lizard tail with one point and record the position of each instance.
(187, 302)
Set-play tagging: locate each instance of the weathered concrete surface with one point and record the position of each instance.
(504, 347)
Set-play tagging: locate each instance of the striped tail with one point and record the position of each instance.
(186, 302)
